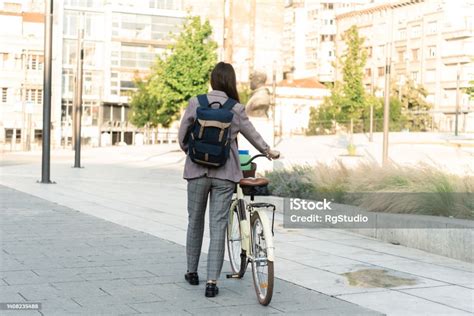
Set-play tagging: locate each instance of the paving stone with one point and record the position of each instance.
(100, 268)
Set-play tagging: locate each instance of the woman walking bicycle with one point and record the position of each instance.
(212, 167)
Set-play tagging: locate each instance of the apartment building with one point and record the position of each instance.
(248, 33)
(21, 73)
(309, 36)
(430, 42)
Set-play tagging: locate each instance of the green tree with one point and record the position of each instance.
(353, 62)
(179, 74)
(470, 90)
(143, 105)
(348, 99)
(414, 113)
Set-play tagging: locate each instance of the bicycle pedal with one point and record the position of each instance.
(233, 276)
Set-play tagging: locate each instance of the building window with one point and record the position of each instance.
(402, 34)
(4, 95)
(165, 4)
(136, 56)
(369, 51)
(68, 81)
(114, 83)
(368, 72)
(92, 80)
(414, 76)
(401, 55)
(126, 87)
(415, 31)
(12, 7)
(34, 95)
(3, 60)
(381, 71)
(83, 3)
(328, 6)
(414, 54)
(432, 51)
(35, 62)
(432, 27)
(70, 23)
(330, 53)
(332, 38)
(66, 111)
(380, 51)
(144, 26)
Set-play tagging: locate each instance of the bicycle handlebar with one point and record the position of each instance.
(252, 159)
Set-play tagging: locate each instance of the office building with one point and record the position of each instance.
(121, 41)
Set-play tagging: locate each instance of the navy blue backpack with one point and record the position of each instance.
(209, 137)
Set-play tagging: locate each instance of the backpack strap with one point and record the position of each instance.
(203, 101)
(229, 104)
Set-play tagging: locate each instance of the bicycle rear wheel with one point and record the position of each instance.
(262, 268)
(234, 239)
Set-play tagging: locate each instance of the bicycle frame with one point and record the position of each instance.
(246, 238)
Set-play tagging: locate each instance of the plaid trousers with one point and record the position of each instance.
(220, 192)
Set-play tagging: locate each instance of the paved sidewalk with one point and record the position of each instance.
(71, 262)
(142, 188)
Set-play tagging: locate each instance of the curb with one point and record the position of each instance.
(447, 237)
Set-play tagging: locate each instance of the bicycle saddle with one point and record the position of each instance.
(253, 182)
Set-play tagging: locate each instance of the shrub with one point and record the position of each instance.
(421, 189)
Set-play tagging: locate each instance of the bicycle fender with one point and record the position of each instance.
(268, 234)
(245, 234)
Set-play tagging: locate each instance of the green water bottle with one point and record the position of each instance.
(243, 158)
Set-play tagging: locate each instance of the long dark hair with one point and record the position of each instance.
(223, 79)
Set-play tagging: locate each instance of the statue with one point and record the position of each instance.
(259, 102)
(258, 111)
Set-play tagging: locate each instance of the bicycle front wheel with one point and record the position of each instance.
(234, 239)
(262, 267)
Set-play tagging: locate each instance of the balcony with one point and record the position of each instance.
(453, 58)
(458, 34)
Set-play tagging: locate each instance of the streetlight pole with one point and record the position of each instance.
(458, 77)
(78, 99)
(372, 83)
(274, 102)
(228, 30)
(46, 141)
(386, 107)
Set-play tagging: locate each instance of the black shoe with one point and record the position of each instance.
(211, 290)
(192, 278)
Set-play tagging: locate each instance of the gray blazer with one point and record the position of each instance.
(240, 123)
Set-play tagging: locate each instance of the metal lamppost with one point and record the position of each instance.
(372, 86)
(48, 46)
(458, 78)
(458, 61)
(386, 106)
(274, 102)
(78, 97)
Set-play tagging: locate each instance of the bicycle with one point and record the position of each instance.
(252, 241)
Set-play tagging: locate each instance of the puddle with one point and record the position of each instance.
(370, 278)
